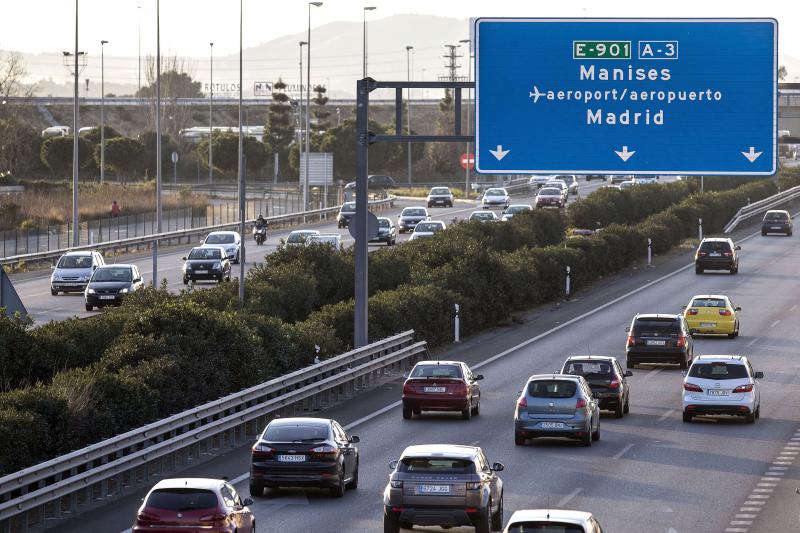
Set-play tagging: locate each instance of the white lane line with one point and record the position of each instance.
(239, 479)
(666, 415)
(623, 451)
(752, 342)
(568, 498)
(775, 323)
(743, 515)
(650, 374)
(792, 308)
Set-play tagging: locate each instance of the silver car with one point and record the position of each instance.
(496, 197)
(73, 271)
(557, 405)
(229, 240)
(526, 520)
(298, 237)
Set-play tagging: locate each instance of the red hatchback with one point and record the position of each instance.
(442, 386)
(188, 504)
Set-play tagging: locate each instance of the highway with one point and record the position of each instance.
(34, 288)
(649, 472)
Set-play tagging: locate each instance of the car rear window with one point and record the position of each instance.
(718, 370)
(438, 371)
(588, 368)
(412, 213)
(384, 223)
(515, 209)
(220, 238)
(440, 190)
(708, 302)
(428, 226)
(715, 246)
(182, 499)
(552, 388)
(292, 433)
(655, 327)
(547, 527)
(433, 465)
(297, 237)
(348, 207)
(776, 216)
(550, 192)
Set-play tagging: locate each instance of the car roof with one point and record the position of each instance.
(306, 231)
(115, 265)
(189, 482)
(715, 239)
(655, 315)
(448, 450)
(555, 515)
(222, 233)
(718, 296)
(434, 363)
(300, 420)
(608, 358)
(80, 253)
(778, 211)
(541, 377)
(414, 207)
(327, 235)
(720, 358)
(496, 189)
(529, 206)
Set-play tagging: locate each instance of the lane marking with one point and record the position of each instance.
(651, 374)
(752, 342)
(568, 498)
(775, 323)
(792, 308)
(623, 451)
(666, 415)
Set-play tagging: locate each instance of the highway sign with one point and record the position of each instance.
(626, 96)
(467, 160)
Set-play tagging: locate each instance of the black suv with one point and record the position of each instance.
(605, 377)
(777, 221)
(717, 254)
(658, 339)
(346, 212)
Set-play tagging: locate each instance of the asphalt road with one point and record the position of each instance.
(34, 289)
(649, 472)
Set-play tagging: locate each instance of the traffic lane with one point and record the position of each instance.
(656, 468)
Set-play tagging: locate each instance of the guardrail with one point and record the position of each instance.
(188, 234)
(762, 206)
(73, 482)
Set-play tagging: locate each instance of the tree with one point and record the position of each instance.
(20, 146)
(321, 114)
(12, 74)
(148, 139)
(176, 82)
(226, 152)
(280, 131)
(56, 154)
(444, 156)
(123, 155)
(93, 135)
(341, 141)
(782, 73)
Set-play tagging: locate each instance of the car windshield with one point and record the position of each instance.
(413, 212)
(436, 371)
(482, 216)
(552, 389)
(384, 223)
(776, 216)
(544, 527)
(715, 247)
(440, 190)
(349, 207)
(514, 209)
(436, 465)
(122, 274)
(718, 370)
(655, 327)
(495, 192)
(292, 433)
(323, 239)
(708, 302)
(220, 238)
(588, 368)
(298, 237)
(181, 499)
(427, 226)
(550, 192)
(205, 253)
(75, 261)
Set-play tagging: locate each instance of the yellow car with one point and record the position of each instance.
(712, 314)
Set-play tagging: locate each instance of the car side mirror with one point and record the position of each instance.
(628, 373)
(759, 375)
(737, 248)
(627, 329)
(248, 501)
(183, 259)
(52, 267)
(683, 307)
(137, 280)
(737, 308)
(354, 439)
(683, 373)
(392, 465)
(556, 371)
(498, 467)
(479, 377)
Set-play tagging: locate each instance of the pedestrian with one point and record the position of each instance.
(115, 209)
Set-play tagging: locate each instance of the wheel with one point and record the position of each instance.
(477, 409)
(338, 490)
(736, 270)
(789, 234)
(497, 518)
(390, 524)
(256, 489)
(430, 205)
(407, 413)
(596, 433)
(466, 414)
(685, 362)
(687, 417)
(451, 205)
(630, 364)
(354, 482)
(54, 292)
(698, 270)
(484, 523)
(735, 331)
(519, 440)
(619, 411)
(627, 408)
(587, 439)
(733, 271)
(89, 307)
(751, 418)
(758, 411)
(763, 233)
(185, 280)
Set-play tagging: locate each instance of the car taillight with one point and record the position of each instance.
(147, 517)
(408, 388)
(743, 388)
(396, 484)
(727, 254)
(459, 388)
(215, 520)
(522, 402)
(580, 403)
(631, 340)
(324, 451)
(691, 312)
(262, 450)
(724, 312)
(680, 342)
(691, 387)
(701, 254)
(614, 384)
(473, 485)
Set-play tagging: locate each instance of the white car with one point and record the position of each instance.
(570, 180)
(429, 228)
(440, 196)
(331, 239)
(483, 216)
(496, 197)
(231, 241)
(560, 185)
(552, 520)
(538, 181)
(721, 385)
(645, 180)
(299, 237)
(627, 185)
(515, 209)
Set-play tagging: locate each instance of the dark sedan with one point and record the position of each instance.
(605, 377)
(387, 232)
(777, 221)
(206, 263)
(347, 211)
(550, 197)
(109, 284)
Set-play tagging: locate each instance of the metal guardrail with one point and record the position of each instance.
(71, 482)
(178, 234)
(756, 208)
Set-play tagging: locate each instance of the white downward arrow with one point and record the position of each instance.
(624, 154)
(499, 153)
(536, 94)
(752, 155)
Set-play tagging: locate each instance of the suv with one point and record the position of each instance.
(346, 212)
(658, 339)
(606, 379)
(777, 221)
(716, 254)
(440, 196)
(442, 386)
(73, 270)
(722, 385)
(443, 485)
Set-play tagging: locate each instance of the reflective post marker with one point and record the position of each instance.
(458, 325)
(649, 252)
(567, 288)
(700, 228)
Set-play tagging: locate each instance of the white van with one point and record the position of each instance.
(56, 131)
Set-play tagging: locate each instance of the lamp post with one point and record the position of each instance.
(102, 112)
(366, 8)
(158, 141)
(139, 24)
(300, 108)
(469, 94)
(408, 105)
(76, 234)
(210, 118)
(242, 188)
(308, 104)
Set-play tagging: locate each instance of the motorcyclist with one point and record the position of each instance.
(261, 222)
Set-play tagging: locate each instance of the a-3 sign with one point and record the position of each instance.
(626, 96)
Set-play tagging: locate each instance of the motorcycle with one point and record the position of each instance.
(260, 234)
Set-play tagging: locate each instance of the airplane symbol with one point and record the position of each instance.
(536, 94)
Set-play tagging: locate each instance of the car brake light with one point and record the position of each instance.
(743, 388)
(691, 387)
(580, 403)
(459, 388)
(408, 388)
(522, 402)
(631, 340)
(147, 517)
(614, 384)
(727, 254)
(396, 484)
(724, 312)
(216, 519)
(680, 342)
(701, 254)
(692, 312)
(324, 451)
(262, 449)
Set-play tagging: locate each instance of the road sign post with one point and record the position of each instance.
(626, 96)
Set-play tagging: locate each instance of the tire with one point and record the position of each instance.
(185, 280)
(587, 440)
(466, 414)
(407, 413)
(89, 307)
(627, 408)
(685, 362)
(353, 485)
(733, 271)
(497, 518)
(596, 433)
(763, 233)
(619, 412)
(758, 411)
(430, 205)
(687, 417)
(736, 270)
(54, 292)
(484, 524)
(519, 440)
(735, 331)
(630, 364)
(256, 489)
(698, 270)
(338, 490)
(450, 205)
(390, 524)
(751, 418)
(789, 234)
(476, 411)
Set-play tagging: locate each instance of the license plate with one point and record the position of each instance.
(434, 389)
(775, 227)
(716, 392)
(714, 254)
(708, 324)
(438, 201)
(552, 425)
(656, 343)
(291, 458)
(107, 297)
(434, 489)
(201, 271)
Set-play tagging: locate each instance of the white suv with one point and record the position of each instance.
(721, 385)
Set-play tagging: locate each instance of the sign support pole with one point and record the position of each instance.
(360, 328)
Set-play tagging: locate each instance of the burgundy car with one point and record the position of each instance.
(194, 504)
(442, 386)
(550, 196)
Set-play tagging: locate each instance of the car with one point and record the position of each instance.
(625, 185)
(606, 379)
(572, 182)
(229, 240)
(443, 485)
(206, 263)
(722, 385)
(658, 338)
(777, 221)
(560, 185)
(552, 520)
(645, 180)
(346, 212)
(304, 452)
(194, 504)
(440, 196)
(590, 177)
(387, 232)
(483, 216)
(428, 228)
(787, 151)
(712, 314)
(556, 405)
(327, 239)
(442, 386)
(495, 197)
(616, 179)
(538, 181)
(298, 237)
(73, 270)
(110, 284)
(410, 216)
(717, 254)
(611, 186)
(549, 197)
(375, 181)
(514, 209)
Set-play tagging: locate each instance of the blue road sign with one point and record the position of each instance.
(626, 96)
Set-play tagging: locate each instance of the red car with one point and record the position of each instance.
(442, 386)
(188, 504)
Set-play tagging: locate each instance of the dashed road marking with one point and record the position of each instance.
(623, 451)
(666, 415)
(568, 498)
(775, 323)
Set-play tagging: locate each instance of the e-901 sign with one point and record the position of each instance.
(601, 49)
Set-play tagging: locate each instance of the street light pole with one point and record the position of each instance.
(242, 187)
(139, 19)
(76, 234)
(408, 107)
(308, 105)
(158, 141)
(469, 94)
(300, 111)
(102, 112)
(211, 120)
(366, 8)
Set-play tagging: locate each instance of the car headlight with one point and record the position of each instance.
(217, 265)
(124, 291)
(56, 277)
(84, 278)
(90, 291)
